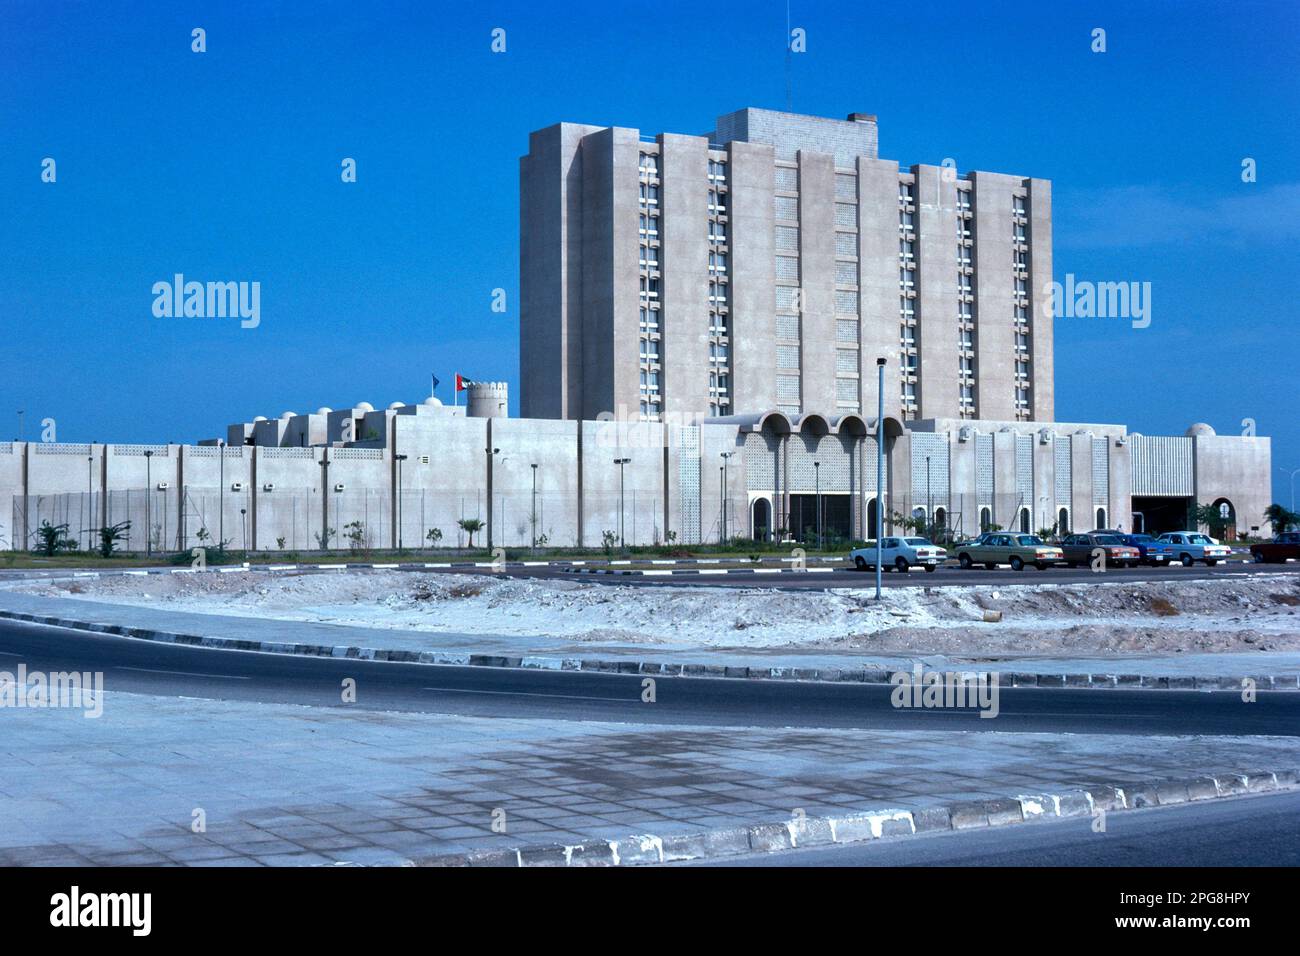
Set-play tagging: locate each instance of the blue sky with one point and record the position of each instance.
(225, 165)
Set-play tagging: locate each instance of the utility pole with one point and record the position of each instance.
(148, 502)
(880, 468)
(621, 462)
(534, 467)
(817, 484)
(726, 460)
(400, 459)
(221, 497)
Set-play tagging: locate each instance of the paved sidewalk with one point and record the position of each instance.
(304, 786)
(552, 651)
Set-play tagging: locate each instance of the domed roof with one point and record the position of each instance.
(287, 415)
(393, 405)
(364, 407)
(259, 418)
(1200, 428)
(324, 410)
(434, 401)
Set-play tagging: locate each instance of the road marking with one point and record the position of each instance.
(154, 670)
(511, 693)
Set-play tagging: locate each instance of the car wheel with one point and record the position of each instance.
(1211, 562)
(860, 563)
(929, 568)
(1016, 563)
(1187, 560)
(991, 565)
(965, 561)
(1257, 557)
(900, 562)
(1041, 565)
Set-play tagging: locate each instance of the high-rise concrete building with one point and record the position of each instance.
(766, 265)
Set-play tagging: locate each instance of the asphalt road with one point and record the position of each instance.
(146, 667)
(947, 575)
(817, 580)
(1261, 830)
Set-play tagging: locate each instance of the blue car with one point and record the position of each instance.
(1155, 553)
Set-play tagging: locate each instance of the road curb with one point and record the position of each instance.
(807, 831)
(872, 675)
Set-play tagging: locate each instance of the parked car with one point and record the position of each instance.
(1017, 550)
(900, 553)
(1283, 546)
(1079, 549)
(1192, 546)
(1152, 552)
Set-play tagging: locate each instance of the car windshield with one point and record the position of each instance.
(1199, 539)
(1107, 539)
(1143, 538)
(916, 541)
(1028, 540)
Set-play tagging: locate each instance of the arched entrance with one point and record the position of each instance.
(1063, 521)
(872, 523)
(1225, 527)
(1101, 518)
(986, 519)
(1024, 521)
(762, 519)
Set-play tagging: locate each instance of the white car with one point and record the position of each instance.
(900, 553)
(1190, 547)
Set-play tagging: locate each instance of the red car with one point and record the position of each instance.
(1285, 545)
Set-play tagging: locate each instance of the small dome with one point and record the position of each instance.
(259, 418)
(364, 407)
(288, 415)
(1200, 428)
(395, 405)
(324, 410)
(433, 400)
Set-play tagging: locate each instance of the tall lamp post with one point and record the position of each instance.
(621, 462)
(929, 500)
(534, 467)
(726, 460)
(244, 525)
(817, 485)
(148, 502)
(90, 500)
(400, 459)
(221, 497)
(880, 468)
(1293, 474)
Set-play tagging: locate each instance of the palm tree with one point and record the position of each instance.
(470, 526)
(1280, 518)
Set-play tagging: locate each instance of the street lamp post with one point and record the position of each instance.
(880, 468)
(534, 467)
(90, 500)
(929, 499)
(148, 502)
(400, 459)
(244, 527)
(621, 462)
(1293, 474)
(726, 460)
(221, 496)
(817, 485)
